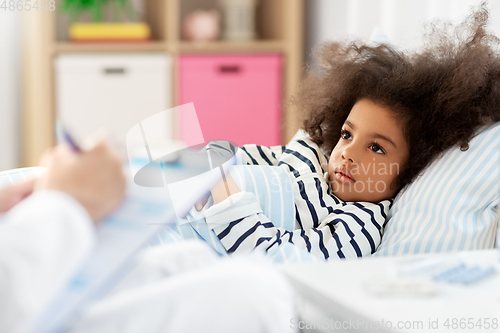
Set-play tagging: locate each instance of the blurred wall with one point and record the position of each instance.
(401, 20)
(10, 86)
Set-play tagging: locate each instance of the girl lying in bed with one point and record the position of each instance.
(374, 119)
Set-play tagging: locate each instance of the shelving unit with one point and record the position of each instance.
(279, 27)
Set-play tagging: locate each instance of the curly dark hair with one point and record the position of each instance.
(440, 94)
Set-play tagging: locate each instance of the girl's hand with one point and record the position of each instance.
(220, 192)
(220, 152)
(224, 189)
(199, 206)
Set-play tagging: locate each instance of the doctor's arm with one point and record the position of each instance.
(45, 236)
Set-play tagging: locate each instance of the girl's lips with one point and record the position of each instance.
(343, 178)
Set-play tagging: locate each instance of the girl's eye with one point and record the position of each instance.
(377, 149)
(345, 135)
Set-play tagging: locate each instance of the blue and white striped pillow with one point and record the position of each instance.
(453, 205)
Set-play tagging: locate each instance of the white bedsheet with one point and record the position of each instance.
(186, 287)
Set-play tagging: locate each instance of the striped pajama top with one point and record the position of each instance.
(325, 226)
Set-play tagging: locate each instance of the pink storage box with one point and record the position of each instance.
(236, 97)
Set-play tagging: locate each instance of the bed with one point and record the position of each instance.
(452, 206)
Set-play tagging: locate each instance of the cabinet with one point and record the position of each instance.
(237, 97)
(115, 91)
(279, 28)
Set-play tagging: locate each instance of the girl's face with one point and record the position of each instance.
(370, 154)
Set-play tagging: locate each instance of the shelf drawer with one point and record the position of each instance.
(111, 91)
(237, 97)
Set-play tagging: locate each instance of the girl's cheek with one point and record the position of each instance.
(396, 169)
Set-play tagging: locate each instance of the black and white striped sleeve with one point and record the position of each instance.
(260, 155)
(351, 231)
(249, 154)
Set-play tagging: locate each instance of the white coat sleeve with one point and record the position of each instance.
(42, 241)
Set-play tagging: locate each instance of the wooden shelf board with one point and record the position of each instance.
(225, 46)
(155, 46)
(183, 46)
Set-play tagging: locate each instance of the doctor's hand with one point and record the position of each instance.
(12, 195)
(94, 177)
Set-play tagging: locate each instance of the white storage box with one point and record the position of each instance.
(111, 91)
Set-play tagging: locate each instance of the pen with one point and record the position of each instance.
(63, 136)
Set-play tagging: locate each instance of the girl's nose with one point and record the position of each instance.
(348, 154)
